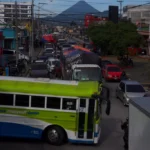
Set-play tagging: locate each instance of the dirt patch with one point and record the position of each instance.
(140, 72)
(135, 59)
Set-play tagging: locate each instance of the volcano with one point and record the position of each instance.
(77, 12)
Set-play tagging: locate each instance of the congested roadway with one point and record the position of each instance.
(111, 134)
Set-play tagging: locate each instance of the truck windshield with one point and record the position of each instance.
(87, 74)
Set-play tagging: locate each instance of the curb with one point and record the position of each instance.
(143, 57)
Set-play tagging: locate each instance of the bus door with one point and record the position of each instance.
(85, 119)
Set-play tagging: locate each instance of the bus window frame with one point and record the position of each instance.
(44, 108)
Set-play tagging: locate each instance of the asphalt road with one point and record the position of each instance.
(111, 137)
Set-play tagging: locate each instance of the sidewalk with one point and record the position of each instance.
(146, 57)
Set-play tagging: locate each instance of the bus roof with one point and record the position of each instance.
(85, 66)
(48, 87)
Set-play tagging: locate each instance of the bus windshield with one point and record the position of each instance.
(87, 74)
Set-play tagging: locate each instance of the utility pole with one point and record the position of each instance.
(149, 40)
(120, 1)
(32, 32)
(39, 17)
(16, 26)
(38, 20)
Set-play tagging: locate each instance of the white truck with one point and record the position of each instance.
(139, 123)
(86, 72)
(83, 72)
(82, 66)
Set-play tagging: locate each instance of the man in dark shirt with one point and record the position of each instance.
(125, 127)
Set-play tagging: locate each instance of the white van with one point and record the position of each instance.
(51, 62)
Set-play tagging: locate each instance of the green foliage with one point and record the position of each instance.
(115, 38)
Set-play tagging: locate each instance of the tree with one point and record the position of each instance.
(115, 38)
(73, 23)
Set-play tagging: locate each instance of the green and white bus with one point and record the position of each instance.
(56, 110)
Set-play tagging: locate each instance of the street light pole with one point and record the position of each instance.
(39, 17)
(120, 1)
(16, 26)
(32, 32)
(149, 40)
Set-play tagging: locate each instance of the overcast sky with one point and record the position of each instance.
(57, 6)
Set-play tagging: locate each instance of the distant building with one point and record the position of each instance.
(137, 13)
(8, 10)
(89, 18)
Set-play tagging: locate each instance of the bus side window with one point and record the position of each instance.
(69, 104)
(6, 99)
(22, 100)
(53, 102)
(38, 101)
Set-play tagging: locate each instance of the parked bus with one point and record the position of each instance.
(56, 110)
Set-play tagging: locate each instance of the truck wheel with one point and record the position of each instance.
(55, 135)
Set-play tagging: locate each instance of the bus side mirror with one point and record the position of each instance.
(105, 97)
(108, 107)
(102, 97)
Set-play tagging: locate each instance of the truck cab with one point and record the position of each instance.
(86, 72)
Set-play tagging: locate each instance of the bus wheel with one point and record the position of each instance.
(55, 135)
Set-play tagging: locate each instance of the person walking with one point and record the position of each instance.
(125, 127)
(124, 76)
(7, 70)
(1, 70)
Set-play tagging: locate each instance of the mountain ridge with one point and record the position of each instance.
(77, 13)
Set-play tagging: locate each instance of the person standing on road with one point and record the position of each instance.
(7, 70)
(124, 76)
(1, 70)
(125, 127)
(83, 45)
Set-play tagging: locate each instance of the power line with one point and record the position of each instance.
(85, 1)
(92, 2)
(80, 13)
(138, 5)
(92, 12)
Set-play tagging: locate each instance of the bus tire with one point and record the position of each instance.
(55, 135)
